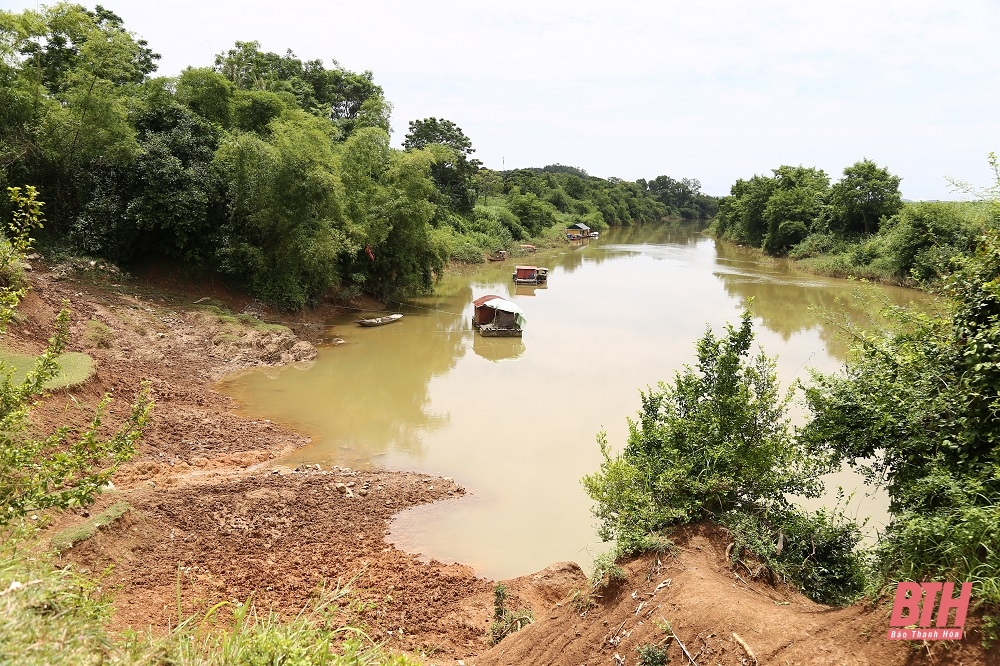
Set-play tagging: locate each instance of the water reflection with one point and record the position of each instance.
(789, 301)
(497, 349)
(366, 398)
(528, 289)
(619, 314)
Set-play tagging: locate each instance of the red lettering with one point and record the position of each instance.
(930, 600)
(904, 602)
(959, 603)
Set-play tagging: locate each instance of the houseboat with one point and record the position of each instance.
(496, 317)
(530, 275)
(577, 231)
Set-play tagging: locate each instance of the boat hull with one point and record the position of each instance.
(487, 332)
(379, 321)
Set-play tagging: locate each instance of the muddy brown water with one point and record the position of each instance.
(515, 420)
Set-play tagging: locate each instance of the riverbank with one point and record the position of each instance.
(214, 519)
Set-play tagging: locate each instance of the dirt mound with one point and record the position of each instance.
(277, 538)
(693, 598)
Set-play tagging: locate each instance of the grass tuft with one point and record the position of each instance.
(506, 621)
(85, 530)
(98, 334)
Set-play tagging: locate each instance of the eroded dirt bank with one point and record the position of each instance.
(691, 597)
(214, 519)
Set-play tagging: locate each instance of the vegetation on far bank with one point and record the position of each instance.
(272, 171)
(858, 226)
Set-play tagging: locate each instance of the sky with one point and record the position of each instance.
(714, 90)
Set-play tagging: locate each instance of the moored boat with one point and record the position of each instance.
(496, 317)
(530, 275)
(379, 321)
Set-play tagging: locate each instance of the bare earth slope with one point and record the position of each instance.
(707, 606)
(214, 519)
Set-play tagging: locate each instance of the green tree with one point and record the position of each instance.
(866, 194)
(431, 130)
(453, 171)
(348, 99)
(716, 439)
(286, 229)
(207, 93)
(741, 214)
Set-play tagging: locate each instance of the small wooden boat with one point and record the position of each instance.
(499, 256)
(379, 321)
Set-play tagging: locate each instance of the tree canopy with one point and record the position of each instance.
(272, 171)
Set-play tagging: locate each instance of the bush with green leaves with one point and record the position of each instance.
(716, 439)
(816, 551)
(917, 413)
(56, 470)
(716, 444)
(652, 655)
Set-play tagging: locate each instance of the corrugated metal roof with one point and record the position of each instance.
(484, 299)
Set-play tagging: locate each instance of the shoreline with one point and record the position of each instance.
(214, 518)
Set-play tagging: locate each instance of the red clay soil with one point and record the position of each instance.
(214, 519)
(693, 598)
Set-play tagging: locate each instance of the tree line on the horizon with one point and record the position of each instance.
(272, 171)
(858, 226)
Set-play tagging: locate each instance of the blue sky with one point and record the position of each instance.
(715, 90)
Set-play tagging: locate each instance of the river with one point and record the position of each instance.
(515, 420)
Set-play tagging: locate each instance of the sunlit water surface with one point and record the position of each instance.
(515, 420)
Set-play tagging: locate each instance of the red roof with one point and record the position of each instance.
(484, 299)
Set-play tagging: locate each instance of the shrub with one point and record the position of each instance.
(714, 440)
(38, 471)
(916, 412)
(606, 572)
(815, 551)
(653, 655)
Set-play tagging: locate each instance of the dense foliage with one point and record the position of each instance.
(716, 444)
(916, 410)
(272, 171)
(858, 226)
